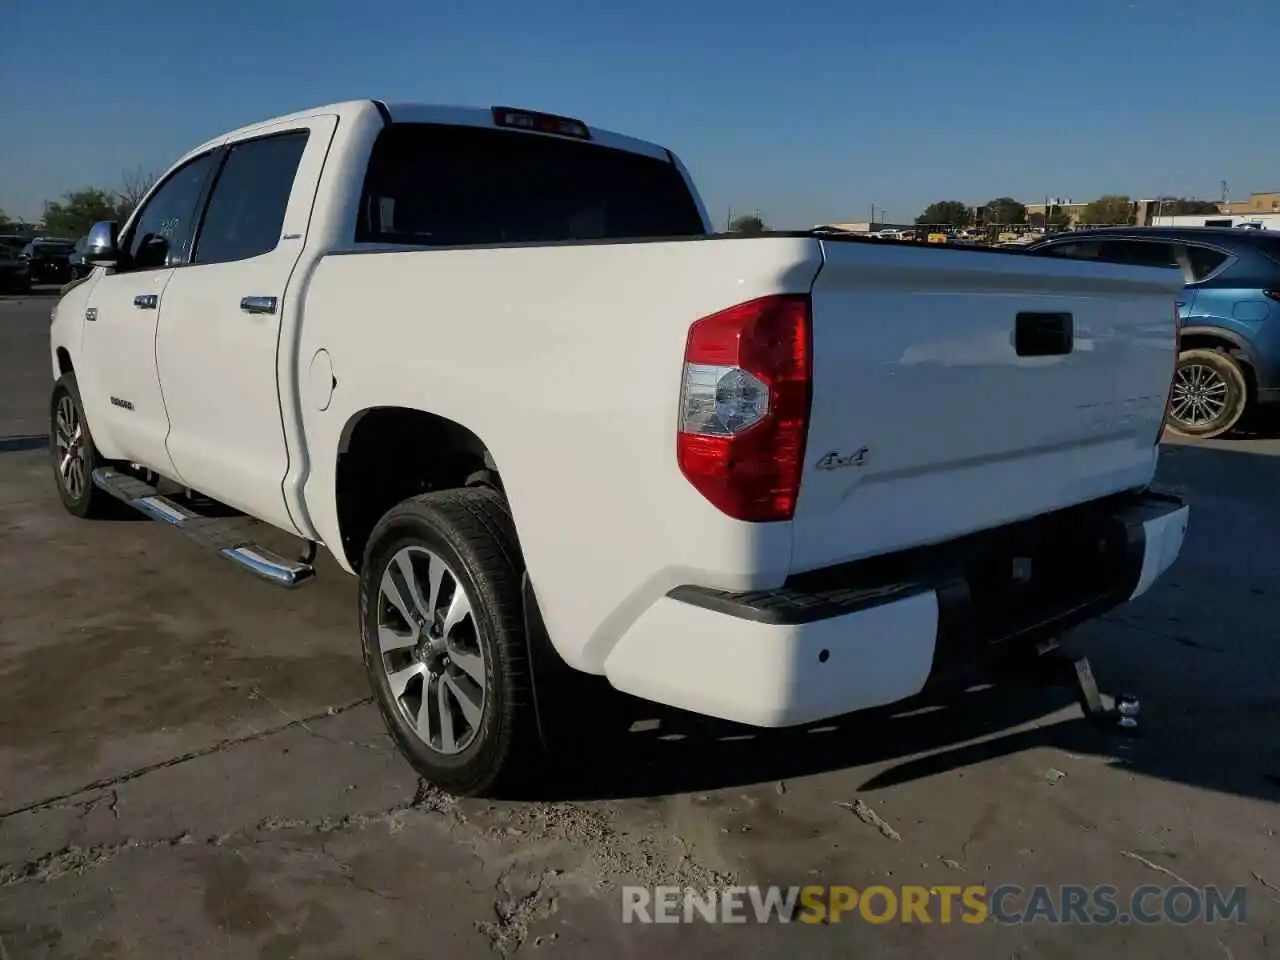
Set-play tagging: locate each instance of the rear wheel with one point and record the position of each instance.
(73, 452)
(1209, 394)
(442, 628)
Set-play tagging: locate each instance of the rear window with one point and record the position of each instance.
(438, 185)
(1270, 246)
(1204, 261)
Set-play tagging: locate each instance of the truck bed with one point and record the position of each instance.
(566, 361)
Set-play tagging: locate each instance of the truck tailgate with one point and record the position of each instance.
(938, 411)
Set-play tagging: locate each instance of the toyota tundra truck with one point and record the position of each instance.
(498, 363)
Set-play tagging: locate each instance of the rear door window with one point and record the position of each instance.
(1142, 253)
(249, 199)
(440, 185)
(1074, 249)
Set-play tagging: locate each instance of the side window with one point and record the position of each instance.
(161, 233)
(247, 206)
(1204, 261)
(1141, 253)
(1074, 250)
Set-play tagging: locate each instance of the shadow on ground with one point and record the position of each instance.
(1197, 650)
(21, 444)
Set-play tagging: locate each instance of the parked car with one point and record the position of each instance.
(49, 259)
(79, 267)
(1229, 360)
(15, 274)
(500, 365)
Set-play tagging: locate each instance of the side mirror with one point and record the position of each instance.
(102, 249)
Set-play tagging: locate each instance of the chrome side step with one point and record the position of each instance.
(228, 536)
(270, 566)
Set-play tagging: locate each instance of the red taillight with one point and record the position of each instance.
(744, 406)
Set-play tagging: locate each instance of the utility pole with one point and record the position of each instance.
(1224, 191)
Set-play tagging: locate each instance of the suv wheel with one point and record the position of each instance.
(1209, 394)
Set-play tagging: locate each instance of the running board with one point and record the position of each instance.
(224, 535)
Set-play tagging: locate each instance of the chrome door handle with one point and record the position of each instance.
(258, 304)
(146, 301)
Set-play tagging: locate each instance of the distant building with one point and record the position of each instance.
(1257, 203)
(1255, 221)
(1036, 211)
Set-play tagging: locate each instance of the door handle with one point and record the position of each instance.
(258, 304)
(146, 301)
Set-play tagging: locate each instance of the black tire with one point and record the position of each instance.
(84, 499)
(1235, 395)
(471, 530)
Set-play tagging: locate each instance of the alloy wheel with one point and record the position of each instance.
(69, 438)
(1199, 396)
(431, 653)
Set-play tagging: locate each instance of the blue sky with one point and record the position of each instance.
(811, 112)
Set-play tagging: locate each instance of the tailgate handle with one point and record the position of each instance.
(1044, 334)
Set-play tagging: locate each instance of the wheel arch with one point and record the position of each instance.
(1200, 336)
(387, 454)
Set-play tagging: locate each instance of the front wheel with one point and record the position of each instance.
(73, 452)
(1208, 396)
(442, 629)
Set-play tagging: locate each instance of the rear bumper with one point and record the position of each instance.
(872, 633)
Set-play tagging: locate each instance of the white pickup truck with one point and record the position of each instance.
(499, 365)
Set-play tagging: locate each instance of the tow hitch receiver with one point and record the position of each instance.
(1055, 667)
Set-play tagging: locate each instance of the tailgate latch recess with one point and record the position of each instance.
(1044, 334)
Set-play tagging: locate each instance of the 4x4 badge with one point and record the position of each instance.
(834, 461)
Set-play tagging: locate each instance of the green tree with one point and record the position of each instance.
(1059, 219)
(4, 221)
(1109, 210)
(133, 187)
(747, 223)
(1181, 207)
(945, 213)
(78, 210)
(1005, 210)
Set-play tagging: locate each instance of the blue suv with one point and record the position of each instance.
(1230, 313)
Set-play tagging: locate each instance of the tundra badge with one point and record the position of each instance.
(834, 461)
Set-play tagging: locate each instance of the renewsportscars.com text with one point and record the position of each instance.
(1006, 904)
